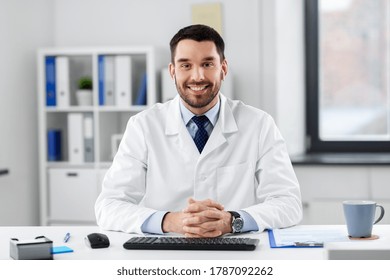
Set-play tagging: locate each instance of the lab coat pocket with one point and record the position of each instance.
(235, 186)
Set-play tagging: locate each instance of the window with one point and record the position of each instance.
(348, 75)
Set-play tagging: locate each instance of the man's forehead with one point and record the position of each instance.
(190, 49)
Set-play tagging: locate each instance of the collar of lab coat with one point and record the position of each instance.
(226, 119)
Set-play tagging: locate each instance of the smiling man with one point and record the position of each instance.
(197, 77)
(201, 164)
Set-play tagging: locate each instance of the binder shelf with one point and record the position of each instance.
(86, 96)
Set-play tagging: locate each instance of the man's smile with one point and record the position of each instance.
(197, 88)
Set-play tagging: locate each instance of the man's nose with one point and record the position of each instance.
(197, 74)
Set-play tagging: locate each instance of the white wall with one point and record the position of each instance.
(154, 22)
(24, 26)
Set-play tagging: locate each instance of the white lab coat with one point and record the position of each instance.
(244, 166)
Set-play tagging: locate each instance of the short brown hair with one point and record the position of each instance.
(199, 33)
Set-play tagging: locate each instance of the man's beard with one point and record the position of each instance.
(198, 101)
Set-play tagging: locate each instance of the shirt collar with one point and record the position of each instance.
(211, 114)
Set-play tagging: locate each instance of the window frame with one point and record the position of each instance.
(314, 143)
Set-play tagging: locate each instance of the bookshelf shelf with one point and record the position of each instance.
(70, 109)
(122, 109)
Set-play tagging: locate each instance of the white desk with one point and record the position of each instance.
(117, 252)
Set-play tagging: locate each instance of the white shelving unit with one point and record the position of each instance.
(68, 191)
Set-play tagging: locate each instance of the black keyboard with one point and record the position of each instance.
(183, 243)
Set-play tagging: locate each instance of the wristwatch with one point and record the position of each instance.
(237, 222)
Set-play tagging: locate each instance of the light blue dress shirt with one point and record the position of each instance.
(154, 223)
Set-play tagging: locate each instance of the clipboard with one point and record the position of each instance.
(273, 244)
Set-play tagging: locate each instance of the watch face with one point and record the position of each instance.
(238, 224)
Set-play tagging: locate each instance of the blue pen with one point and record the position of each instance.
(67, 236)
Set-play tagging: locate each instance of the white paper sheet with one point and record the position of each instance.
(289, 236)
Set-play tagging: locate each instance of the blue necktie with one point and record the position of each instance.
(201, 135)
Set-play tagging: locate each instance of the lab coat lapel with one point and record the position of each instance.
(175, 128)
(225, 126)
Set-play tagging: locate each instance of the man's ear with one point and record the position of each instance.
(171, 68)
(224, 69)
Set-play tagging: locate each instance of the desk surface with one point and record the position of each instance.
(117, 252)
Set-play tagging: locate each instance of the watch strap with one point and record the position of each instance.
(236, 218)
(235, 214)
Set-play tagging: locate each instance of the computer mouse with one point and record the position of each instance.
(97, 240)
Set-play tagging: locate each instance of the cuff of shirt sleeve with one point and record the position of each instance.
(153, 224)
(249, 223)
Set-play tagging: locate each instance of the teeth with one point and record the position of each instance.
(197, 88)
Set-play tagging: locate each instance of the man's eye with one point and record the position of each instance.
(208, 64)
(185, 66)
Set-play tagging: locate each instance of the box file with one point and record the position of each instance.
(123, 80)
(62, 81)
(101, 79)
(53, 145)
(106, 80)
(75, 138)
(88, 138)
(50, 73)
(109, 76)
(142, 91)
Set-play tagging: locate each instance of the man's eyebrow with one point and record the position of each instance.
(183, 60)
(209, 58)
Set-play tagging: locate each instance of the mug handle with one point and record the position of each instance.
(382, 213)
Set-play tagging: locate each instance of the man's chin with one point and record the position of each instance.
(198, 101)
